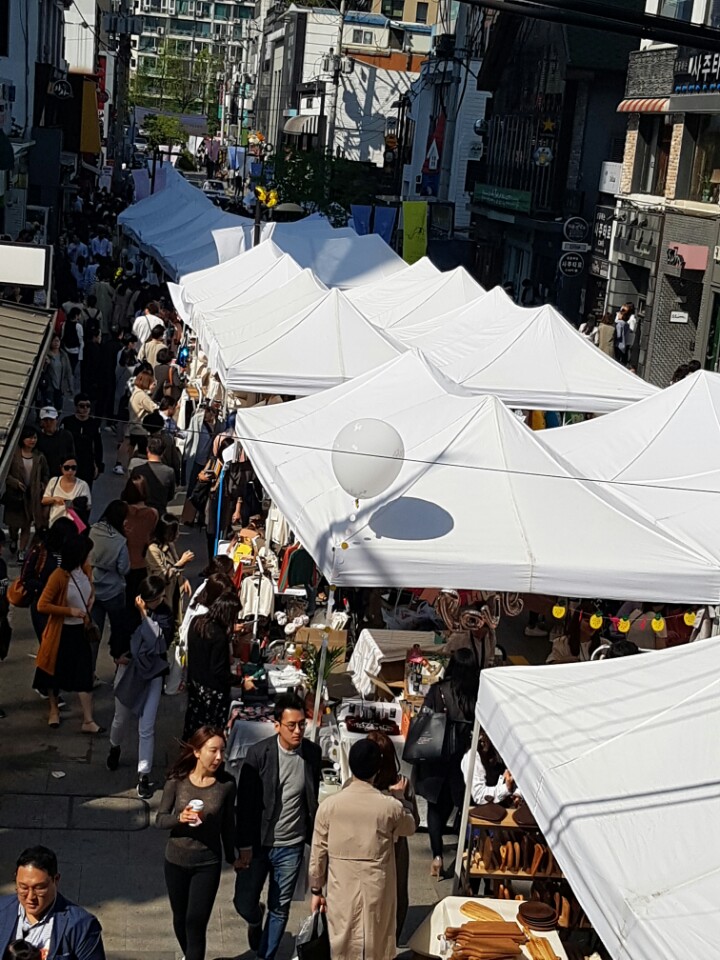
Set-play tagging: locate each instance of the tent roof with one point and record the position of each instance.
(413, 296)
(529, 358)
(663, 454)
(479, 503)
(618, 762)
(343, 345)
(240, 238)
(227, 328)
(340, 258)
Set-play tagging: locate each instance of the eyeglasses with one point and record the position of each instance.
(69, 466)
(83, 406)
(295, 724)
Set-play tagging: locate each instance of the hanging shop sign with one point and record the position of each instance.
(602, 231)
(503, 198)
(571, 264)
(687, 256)
(696, 72)
(60, 89)
(600, 268)
(576, 229)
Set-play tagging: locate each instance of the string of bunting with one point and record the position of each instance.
(657, 621)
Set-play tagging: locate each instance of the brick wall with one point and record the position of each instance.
(650, 73)
(674, 159)
(671, 344)
(631, 139)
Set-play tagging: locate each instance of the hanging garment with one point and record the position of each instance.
(257, 597)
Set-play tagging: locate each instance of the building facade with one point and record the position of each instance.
(666, 247)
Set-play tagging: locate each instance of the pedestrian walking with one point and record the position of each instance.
(139, 680)
(606, 334)
(66, 493)
(197, 807)
(160, 478)
(54, 443)
(110, 562)
(60, 375)
(44, 558)
(209, 679)
(24, 487)
(140, 525)
(40, 915)
(64, 661)
(276, 805)
(353, 858)
(162, 561)
(85, 431)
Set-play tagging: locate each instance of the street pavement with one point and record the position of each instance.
(56, 790)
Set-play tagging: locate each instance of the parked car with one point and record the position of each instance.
(215, 191)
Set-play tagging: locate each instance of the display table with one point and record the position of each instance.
(425, 943)
(376, 647)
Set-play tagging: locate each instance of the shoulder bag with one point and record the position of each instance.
(92, 631)
(427, 738)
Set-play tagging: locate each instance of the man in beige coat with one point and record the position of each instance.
(353, 856)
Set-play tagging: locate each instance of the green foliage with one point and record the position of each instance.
(323, 183)
(166, 131)
(311, 663)
(186, 162)
(176, 81)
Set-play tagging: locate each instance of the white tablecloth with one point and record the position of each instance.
(375, 647)
(425, 943)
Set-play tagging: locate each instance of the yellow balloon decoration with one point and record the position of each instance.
(657, 623)
(272, 199)
(344, 545)
(623, 625)
(559, 611)
(596, 621)
(261, 194)
(689, 619)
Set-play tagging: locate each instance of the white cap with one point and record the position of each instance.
(48, 413)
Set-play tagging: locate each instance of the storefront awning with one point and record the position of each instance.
(644, 105)
(296, 126)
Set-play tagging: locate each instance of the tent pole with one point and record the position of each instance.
(466, 805)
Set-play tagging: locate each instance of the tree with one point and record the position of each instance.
(319, 182)
(177, 81)
(164, 131)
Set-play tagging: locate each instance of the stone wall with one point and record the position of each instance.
(650, 72)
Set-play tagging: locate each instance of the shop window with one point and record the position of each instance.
(393, 9)
(421, 12)
(677, 9)
(713, 14)
(702, 171)
(653, 155)
(362, 37)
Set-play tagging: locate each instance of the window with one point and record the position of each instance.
(393, 9)
(653, 154)
(704, 168)
(4, 27)
(676, 9)
(421, 12)
(713, 14)
(362, 37)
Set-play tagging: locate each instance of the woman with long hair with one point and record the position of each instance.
(44, 558)
(198, 808)
(441, 782)
(26, 480)
(606, 334)
(388, 776)
(162, 560)
(140, 405)
(110, 561)
(140, 524)
(67, 492)
(64, 660)
(217, 579)
(209, 678)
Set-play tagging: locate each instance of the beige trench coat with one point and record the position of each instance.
(353, 855)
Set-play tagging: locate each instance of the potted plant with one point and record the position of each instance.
(310, 662)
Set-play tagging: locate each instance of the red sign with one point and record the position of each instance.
(687, 256)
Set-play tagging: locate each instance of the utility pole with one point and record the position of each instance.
(453, 101)
(122, 92)
(337, 67)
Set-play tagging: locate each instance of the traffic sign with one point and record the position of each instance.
(571, 264)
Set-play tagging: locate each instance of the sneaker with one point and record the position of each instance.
(535, 632)
(113, 758)
(144, 788)
(3, 715)
(255, 931)
(118, 470)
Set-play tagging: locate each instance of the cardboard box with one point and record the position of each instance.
(313, 636)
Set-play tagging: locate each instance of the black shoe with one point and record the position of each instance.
(113, 758)
(3, 715)
(144, 788)
(255, 931)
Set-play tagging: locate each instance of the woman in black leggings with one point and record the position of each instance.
(441, 783)
(197, 806)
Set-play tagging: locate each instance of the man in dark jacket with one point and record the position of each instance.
(54, 443)
(85, 431)
(276, 805)
(40, 914)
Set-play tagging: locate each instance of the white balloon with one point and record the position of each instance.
(367, 457)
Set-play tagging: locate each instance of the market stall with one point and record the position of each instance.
(617, 762)
(470, 476)
(376, 651)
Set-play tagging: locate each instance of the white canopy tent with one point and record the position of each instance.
(479, 503)
(412, 296)
(662, 454)
(175, 225)
(334, 340)
(229, 327)
(529, 358)
(201, 286)
(340, 258)
(240, 238)
(618, 762)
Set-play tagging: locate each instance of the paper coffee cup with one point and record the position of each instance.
(197, 807)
